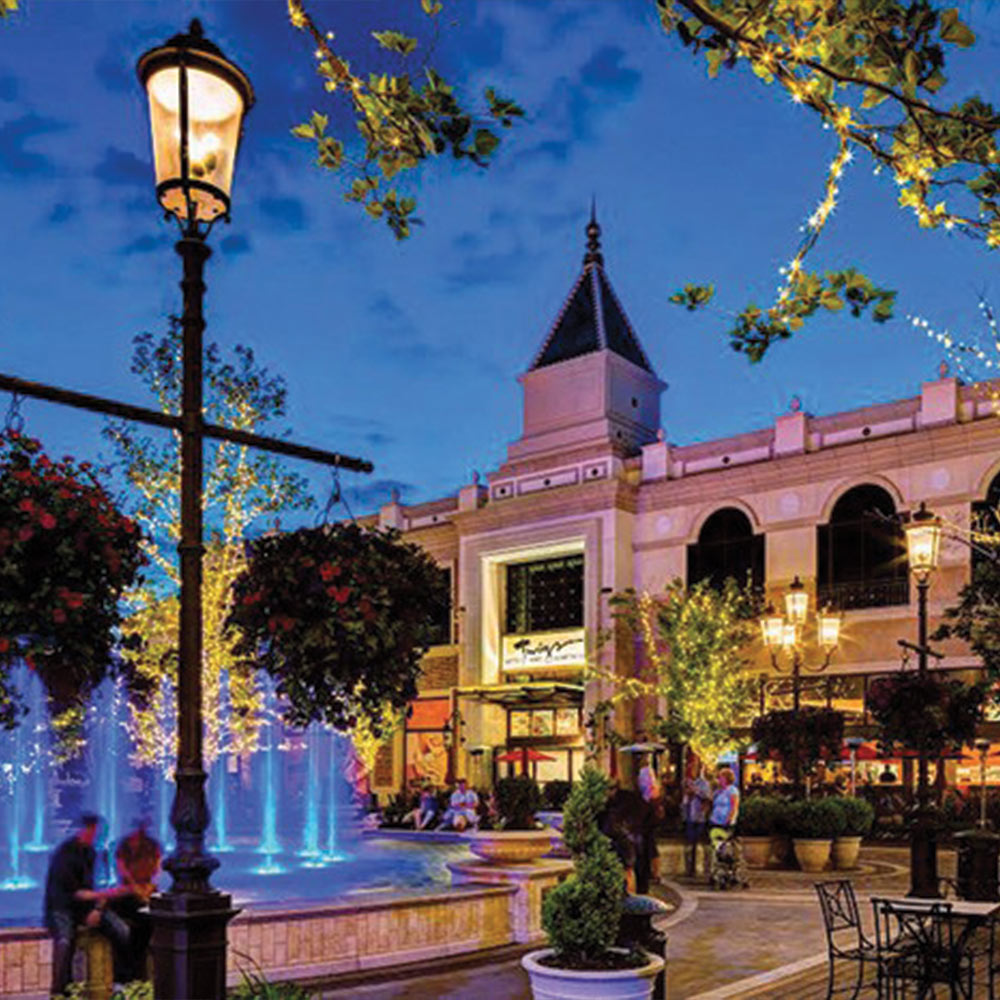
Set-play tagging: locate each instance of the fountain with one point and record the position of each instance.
(282, 816)
(15, 765)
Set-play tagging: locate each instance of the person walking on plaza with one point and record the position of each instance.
(694, 806)
(70, 898)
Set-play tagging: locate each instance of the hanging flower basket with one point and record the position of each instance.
(928, 713)
(67, 554)
(340, 616)
(814, 733)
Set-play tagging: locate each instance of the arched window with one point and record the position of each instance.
(986, 517)
(727, 547)
(862, 555)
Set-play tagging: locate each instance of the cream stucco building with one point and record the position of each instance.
(592, 499)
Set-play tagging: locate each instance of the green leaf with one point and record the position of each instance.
(304, 132)
(395, 41)
(954, 31)
(485, 142)
(831, 300)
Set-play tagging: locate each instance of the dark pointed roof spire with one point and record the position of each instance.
(593, 254)
(592, 318)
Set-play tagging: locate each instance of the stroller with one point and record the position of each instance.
(728, 870)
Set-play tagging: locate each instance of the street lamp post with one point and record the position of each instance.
(197, 101)
(785, 634)
(923, 543)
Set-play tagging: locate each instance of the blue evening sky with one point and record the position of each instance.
(407, 354)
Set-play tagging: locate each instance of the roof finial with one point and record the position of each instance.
(593, 254)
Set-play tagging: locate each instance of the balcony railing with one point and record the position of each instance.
(863, 594)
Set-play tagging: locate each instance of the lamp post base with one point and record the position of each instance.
(189, 944)
(923, 855)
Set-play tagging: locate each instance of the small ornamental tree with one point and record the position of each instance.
(695, 641)
(581, 916)
(67, 554)
(340, 616)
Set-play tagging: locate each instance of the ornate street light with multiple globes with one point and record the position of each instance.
(785, 634)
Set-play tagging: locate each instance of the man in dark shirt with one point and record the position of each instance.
(70, 897)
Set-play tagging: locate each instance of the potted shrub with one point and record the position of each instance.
(519, 837)
(67, 554)
(813, 824)
(554, 796)
(582, 915)
(756, 824)
(858, 816)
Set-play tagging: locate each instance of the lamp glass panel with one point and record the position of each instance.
(797, 605)
(771, 629)
(789, 635)
(215, 111)
(923, 542)
(828, 628)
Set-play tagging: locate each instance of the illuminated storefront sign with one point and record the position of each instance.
(543, 650)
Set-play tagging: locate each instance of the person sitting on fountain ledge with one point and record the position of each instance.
(70, 897)
(462, 809)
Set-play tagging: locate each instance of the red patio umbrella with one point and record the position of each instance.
(524, 756)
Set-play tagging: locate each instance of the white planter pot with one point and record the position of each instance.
(548, 983)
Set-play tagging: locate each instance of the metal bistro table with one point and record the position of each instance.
(973, 914)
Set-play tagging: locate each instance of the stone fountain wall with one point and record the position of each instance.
(312, 942)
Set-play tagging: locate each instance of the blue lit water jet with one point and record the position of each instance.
(36, 720)
(14, 767)
(333, 851)
(310, 833)
(269, 844)
(220, 842)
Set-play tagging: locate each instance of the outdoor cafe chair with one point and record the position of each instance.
(922, 945)
(845, 937)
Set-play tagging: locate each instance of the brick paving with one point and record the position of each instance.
(719, 944)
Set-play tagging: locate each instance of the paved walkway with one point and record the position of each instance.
(766, 942)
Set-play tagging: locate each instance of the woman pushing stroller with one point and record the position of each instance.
(728, 868)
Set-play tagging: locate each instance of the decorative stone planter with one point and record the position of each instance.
(781, 851)
(510, 847)
(845, 852)
(756, 851)
(812, 855)
(548, 983)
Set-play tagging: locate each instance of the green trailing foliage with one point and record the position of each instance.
(872, 72)
(976, 616)
(402, 121)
